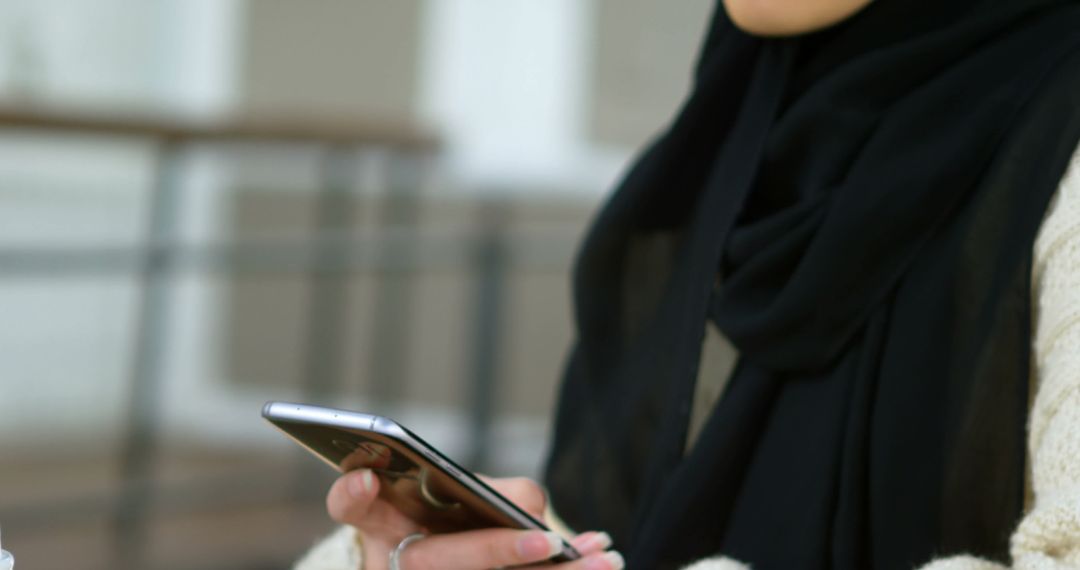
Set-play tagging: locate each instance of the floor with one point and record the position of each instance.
(209, 512)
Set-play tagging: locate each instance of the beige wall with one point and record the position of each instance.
(265, 314)
(643, 54)
(362, 58)
(333, 57)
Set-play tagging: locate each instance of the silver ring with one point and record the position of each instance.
(429, 498)
(395, 555)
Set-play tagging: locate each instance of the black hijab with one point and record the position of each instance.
(855, 210)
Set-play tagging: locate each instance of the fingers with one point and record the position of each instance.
(351, 496)
(591, 545)
(598, 561)
(524, 492)
(502, 547)
(488, 548)
(354, 500)
(590, 542)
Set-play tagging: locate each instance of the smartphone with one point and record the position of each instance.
(416, 478)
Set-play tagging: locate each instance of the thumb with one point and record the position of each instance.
(351, 496)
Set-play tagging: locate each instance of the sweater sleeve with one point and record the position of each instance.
(339, 551)
(1049, 536)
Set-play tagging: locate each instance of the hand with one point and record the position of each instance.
(353, 500)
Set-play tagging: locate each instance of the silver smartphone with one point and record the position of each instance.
(416, 478)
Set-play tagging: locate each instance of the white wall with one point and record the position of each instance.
(174, 55)
(65, 341)
(506, 82)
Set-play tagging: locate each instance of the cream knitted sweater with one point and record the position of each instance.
(1048, 537)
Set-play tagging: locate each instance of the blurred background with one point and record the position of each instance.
(208, 204)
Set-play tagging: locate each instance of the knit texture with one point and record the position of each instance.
(1048, 537)
(339, 551)
(716, 563)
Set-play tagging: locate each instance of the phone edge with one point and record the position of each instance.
(306, 413)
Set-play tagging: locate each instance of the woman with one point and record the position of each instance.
(850, 197)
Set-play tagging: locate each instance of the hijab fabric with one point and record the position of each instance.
(855, 210)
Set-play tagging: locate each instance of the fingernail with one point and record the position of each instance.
(599, 541)
(615, 560)
(360, 485)
(368, 479)
(606, 561)
(539, 545)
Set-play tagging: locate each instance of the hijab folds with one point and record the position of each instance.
(855, 210)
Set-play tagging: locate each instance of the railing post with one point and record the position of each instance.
(400, 213)
(490, 259)
(329, 274)
(139, 449)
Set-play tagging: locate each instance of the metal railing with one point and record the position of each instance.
(327, 259)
